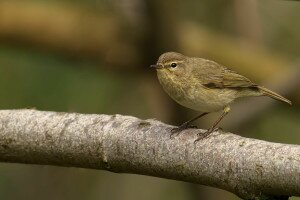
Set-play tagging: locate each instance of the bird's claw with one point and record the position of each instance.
(201, 136)
(176, 131)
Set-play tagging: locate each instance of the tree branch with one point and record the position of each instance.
(250, 168)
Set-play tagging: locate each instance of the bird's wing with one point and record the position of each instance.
(214, 75)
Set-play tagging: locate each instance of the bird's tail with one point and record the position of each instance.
(273, 95)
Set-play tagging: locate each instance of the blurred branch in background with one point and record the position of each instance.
(252, 169)
(68, 30)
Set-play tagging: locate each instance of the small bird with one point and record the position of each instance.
(204, 85)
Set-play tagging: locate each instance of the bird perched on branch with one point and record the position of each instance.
(204, 85)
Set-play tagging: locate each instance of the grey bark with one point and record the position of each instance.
(250, 168)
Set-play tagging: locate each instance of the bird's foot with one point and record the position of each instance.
(177, 130)
(201, 136)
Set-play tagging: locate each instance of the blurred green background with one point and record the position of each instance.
(93, 57)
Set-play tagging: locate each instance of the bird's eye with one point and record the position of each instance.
(173, 65)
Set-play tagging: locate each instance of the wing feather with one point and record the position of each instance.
(214, 75)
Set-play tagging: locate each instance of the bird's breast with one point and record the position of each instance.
(192, 94)
(174, 86)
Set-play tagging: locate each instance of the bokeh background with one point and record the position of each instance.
(93, 56)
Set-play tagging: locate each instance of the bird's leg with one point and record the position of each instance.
(213, 127)
(186, 125)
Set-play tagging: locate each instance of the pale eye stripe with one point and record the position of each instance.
(174, 61)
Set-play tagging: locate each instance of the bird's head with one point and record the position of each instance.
(171, 63)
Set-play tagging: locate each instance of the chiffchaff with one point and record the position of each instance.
(204, 85)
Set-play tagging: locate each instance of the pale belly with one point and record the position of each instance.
(197, 97)
(206, 100)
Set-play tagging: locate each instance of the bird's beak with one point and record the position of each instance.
(157, 66)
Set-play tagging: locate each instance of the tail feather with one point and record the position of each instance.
(273, 95)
